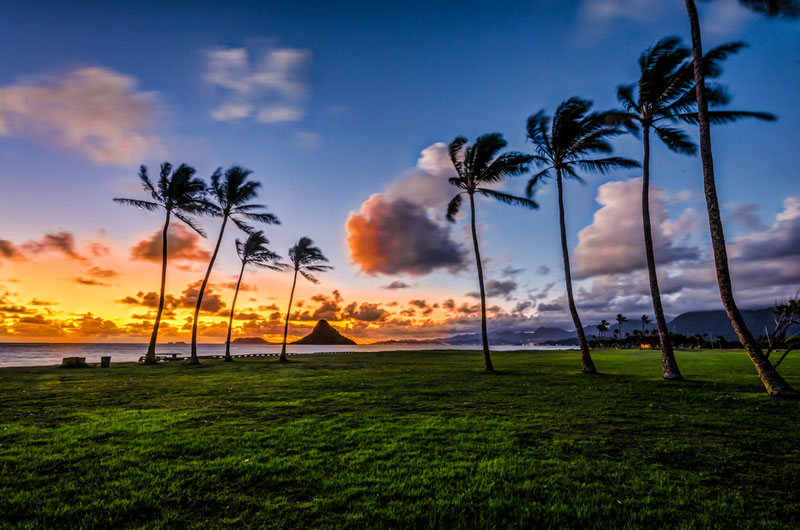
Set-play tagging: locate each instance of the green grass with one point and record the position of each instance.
(401, 440)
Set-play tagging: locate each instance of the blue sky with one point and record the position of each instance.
(381, 83)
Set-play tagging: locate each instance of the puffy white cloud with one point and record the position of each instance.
(614, 242)
(270, 89)
(95, 111)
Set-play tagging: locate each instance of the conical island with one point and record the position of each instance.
(324, 334)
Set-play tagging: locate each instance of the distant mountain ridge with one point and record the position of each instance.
(713, 323)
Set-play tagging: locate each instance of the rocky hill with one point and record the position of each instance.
(324, 334)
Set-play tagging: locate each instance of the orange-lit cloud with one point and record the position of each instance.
(182, 244)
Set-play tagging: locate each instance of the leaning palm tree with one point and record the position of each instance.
(180, 194)
(231, 195)
(478, 166)
(253, 251)
(775, 384)
(563, 147)
(304, 258)
(665, 93)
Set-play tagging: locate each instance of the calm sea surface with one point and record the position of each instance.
(32, 354)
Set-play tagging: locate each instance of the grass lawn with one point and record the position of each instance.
(401, 440)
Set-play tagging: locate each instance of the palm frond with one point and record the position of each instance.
(534, 180)
(144, 205)
(604, 165)
(725, 116)
(676, 139)
(453, 207)
(774, 8)
(508, 199)
(712, 60)
(456, 150)
(190, 222)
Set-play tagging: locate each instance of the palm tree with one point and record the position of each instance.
(180, 194)
(563, 147)
(304, 258)
(231, 194)
(775, 384)
(666, 93)
(620, 320)
(252, 251)
(478, 166)
(645, 321)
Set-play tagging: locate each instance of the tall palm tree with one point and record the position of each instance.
(666, 94)
(304, 258)
(602, 327)
(563, 147)
(480, 165)
(231, 195)
(645, 321)
(775, 384)
(620, 320)
(253, 251)
(180, 194)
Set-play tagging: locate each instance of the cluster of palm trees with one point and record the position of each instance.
(671, 90)
(604, 326)
(229, 197)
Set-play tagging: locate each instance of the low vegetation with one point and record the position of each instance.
(401, 440)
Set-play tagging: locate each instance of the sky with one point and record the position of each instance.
(343, 112)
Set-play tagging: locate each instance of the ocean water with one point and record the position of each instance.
(42, 354)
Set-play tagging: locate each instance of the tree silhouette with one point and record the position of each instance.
(478, 166)
(304, 258)
(563, 147)
(231, 195)
(602, 327)
(645, 321)
(665, 92)
(775, 384)
(620, 320)
(180, 194)
(252, 251)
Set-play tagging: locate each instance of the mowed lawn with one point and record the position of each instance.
(401, 440)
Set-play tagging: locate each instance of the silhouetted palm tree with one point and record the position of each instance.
(620, 320)
(575, 133)
(775, 384)
(180, 194)
(645, 321)
(478, 166)
(304, 258)
(231, 194)
(666, 94)
(602, 327)
(253, 251)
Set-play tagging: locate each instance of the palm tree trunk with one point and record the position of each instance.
(230, 320)
(194, 359)
(669, 364)
(587, 366)
(150, 358)
(487, 359)
(774, 383)
(288, 313)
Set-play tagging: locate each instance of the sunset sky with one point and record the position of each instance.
(343, 111)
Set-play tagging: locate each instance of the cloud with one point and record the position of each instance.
(97, 272)
(270, 89)
(182, 244)
(10, 251)
(614, 242)
(367, 312)
(399, 237)
(63, 242)
(95, 111)
(745, 215)
(402, 230)
(603, 11)
(543, 270)
(308, 139)
(89, 281)
(397, 284)
(497, 288)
